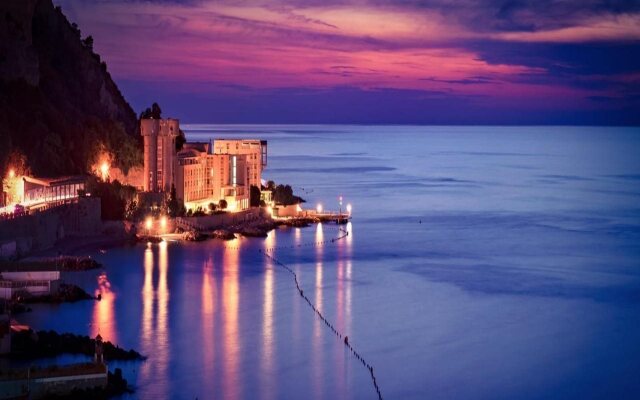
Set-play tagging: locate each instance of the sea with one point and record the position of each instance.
(482, 262)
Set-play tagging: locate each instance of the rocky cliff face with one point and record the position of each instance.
(58, 104)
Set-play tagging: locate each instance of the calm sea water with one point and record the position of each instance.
(483, 262)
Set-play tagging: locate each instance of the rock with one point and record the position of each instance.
(194, 236)
(149, 239)
(223, 234)
(253, 232)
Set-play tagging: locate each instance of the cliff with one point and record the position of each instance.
(58, 104)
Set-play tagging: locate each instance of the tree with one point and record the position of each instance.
(114, 197)
(180, 140)
(222, 204)
(271, 185)
(152, 112)
(283, 194)
(88, 42)
(156, 112)
(173, 205)
(212, 207)
(254, 196)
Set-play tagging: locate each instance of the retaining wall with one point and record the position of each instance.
(41, 230)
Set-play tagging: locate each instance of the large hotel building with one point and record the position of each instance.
(202, 173)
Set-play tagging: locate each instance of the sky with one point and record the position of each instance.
(373, 61)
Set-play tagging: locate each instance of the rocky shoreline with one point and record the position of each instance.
(259, 228)
(67, 293)
(32, 345)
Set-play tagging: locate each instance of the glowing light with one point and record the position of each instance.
(349, 208)
(148, 223)
(270, 211)
(319, 208)
(163, 222)
(12, 173)
(104, 170)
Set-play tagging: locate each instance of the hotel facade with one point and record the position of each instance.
(202, 173)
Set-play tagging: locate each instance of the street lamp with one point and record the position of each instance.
(104, 171)
(349, 209)
(319, 208)
(12, 173)
(163, 223)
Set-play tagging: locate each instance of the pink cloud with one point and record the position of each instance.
(313, 47)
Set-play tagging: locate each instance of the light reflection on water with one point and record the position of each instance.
(155, 338)
(103, 321)
(268, 340)
(208, 307)
(318, 326)
(147, 332)
(232, 387)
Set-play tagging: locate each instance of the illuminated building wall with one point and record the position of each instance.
(254, 150)
(202, 173)
(203, 178)
(159, 153)
(43, 190)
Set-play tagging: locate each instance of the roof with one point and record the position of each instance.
(240, 140)
(199, 146)
(57, 181)
(188, 153)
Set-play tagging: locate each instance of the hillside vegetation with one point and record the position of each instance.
(59, 106)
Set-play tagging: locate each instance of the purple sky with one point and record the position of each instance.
(373, 61)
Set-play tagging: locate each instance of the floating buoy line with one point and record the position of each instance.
(339, 335)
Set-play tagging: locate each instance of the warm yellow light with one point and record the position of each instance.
(270, 211)
(319, 208)
(104, 170)
(148, 223)
(163, 222)
(349, 209)
(12, 173)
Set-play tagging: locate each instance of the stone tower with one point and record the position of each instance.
(159, 153)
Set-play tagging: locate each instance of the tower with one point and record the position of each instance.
(159, 153)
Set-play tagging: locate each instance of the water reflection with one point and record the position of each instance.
(347, 278)
(349, 238)
(267, 323)
(208, 309)
(103, 320)
(318, 381)
(230, 303)
(147, 304)
(155, 340)
(297, 236)
(162, 339)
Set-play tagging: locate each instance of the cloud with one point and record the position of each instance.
(528, 52)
